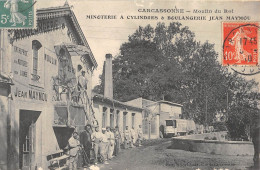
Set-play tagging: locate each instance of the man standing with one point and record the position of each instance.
(74, 146)
(111, 143)
(140, 135)
(104, 145)
(82, 87)
(126, 137)
(132, 139)
(82, 81)
(97, 138)
(117, 140)
(86, 141)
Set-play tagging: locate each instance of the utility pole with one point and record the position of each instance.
(206, 109)
(227, 106)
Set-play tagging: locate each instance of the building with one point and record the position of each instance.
(110, 112)
(5, 122)
(155, 114)
(50, 95)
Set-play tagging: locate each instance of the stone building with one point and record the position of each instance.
(5, 115)
(155, 114)
(111, 112)
(47, 93)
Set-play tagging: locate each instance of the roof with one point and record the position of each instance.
(44, 14)
(60, 11)
(114, 103)
(170, 103)
(146, 102)
(76, 50)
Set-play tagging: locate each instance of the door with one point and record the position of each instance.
(112, 120)
(28, 153)
(27, 139)
(32, 140)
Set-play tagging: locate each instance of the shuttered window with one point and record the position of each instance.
(36, 45)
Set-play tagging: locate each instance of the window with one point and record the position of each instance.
(124, 120)
(36, 45)
(112, 118)
(117, 118)
(104, 117)
(171, 123)
(145, 126)
(133, 120)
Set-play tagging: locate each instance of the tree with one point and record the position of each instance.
(243, 114)
(166, 62)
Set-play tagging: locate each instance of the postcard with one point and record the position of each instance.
(128, 85)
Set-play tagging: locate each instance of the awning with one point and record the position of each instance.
(6, 79)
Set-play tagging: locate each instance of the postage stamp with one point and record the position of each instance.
(17, 14)
(240, 44)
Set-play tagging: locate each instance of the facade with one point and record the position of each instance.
(110, 112)
(50, 96)
(155, 115)
(5, 122)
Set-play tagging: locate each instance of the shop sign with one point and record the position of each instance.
(30, 94)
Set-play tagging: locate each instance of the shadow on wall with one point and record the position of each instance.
(63, 135)
(8, 137)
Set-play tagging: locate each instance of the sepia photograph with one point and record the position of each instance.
(129, 84)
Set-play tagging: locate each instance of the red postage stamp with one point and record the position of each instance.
(240, 43)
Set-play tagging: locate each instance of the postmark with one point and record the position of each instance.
(17, 14)
(241, 47)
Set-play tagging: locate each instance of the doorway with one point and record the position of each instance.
(27, 139)
(112, 118)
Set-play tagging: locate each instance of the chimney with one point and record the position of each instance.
(108, 89)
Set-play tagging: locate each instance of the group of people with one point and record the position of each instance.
(103, 145)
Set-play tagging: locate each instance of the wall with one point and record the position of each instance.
(213, 147)
(3, 130)
(46, 141)
(98, 109)
(220, 136)
(136, 102)
(174, 111)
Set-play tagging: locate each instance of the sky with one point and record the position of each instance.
(106, 35)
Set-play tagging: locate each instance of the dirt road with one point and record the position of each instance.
(154, 155)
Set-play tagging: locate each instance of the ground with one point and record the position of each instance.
(154, 155)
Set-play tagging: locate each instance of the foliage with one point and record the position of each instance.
(166, 62)
(243, 112)
(219, 126)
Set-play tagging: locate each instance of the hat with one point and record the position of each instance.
(103, 128)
